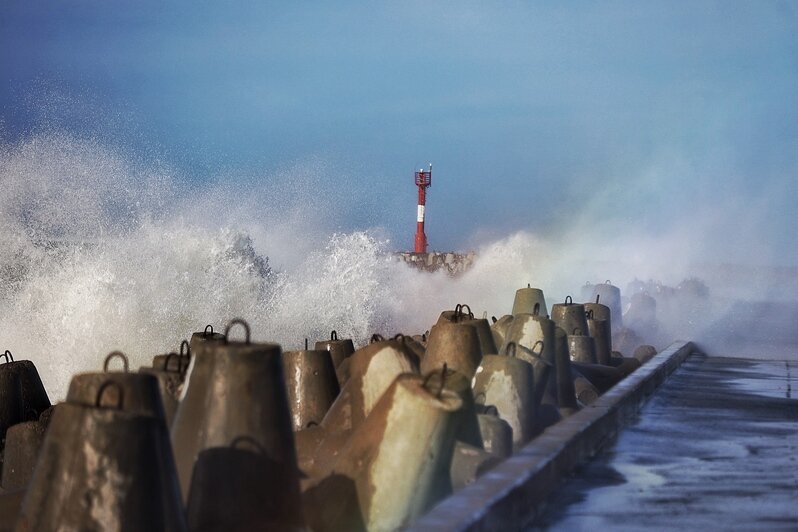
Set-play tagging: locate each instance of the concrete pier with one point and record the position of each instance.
(716, 448)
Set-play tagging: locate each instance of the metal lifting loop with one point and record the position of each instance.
(306, 344)
(376, 337)
(8, 356)
(443, 380)
(237, 321)
(401, 338)
(598, 297)
(542, 346)
(494, 319)
(432, 374)
(589, 314)
(529, 285)
(607, 282)
(569, 300)
(511, 352)
(334, 335)
(120, 395)
(116, 354)
(533, 354)
(208, 330)
(470, 314)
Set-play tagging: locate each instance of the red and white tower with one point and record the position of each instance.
(423, 181)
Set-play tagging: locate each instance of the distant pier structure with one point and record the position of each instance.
(449, 261)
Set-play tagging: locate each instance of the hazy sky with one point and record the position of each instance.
(617, 114)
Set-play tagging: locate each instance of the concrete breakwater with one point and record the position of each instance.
(227, 433)
(449, 261)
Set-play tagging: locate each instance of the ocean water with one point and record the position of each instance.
(100, 252)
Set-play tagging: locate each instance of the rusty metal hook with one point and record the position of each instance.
(533, 354)
(334, 335)
(432, 374)
(511, 352)
(206, 332)
(7, 355)
(376, 337)
(116, 354)
(237, 321)
(101, 391)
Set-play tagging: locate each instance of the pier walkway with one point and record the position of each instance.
(715, 448)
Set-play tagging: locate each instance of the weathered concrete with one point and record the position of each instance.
(715, 449)
(509, 496)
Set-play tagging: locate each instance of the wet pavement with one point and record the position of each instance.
(716, 448)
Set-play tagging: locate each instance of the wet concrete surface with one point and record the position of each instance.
(716, 448)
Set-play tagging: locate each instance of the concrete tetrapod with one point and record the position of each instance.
(454, 344)
(23, 442)
(103, 467)
(389, 472)
(141, 393)
(530, 301)
(500, 327)
(565, 392)
(208, 335)
(171, 373)
(311, 385)
(462, 314)
(22, 394)
(608, 294)
(507, 383)
(466, 418)
(570, 316)
(599, 330)
(374, 368)
(582, 348)
(497, 434)
(236, 393)
(340, 350)
(532, 338)
(598, 311)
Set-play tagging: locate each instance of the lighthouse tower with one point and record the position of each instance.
(423, 181)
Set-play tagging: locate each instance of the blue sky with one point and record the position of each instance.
(619, 113)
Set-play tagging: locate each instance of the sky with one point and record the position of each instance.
(659, 118)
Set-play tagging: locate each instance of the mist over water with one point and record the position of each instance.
(102, 252)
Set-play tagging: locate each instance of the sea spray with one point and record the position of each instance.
(100, 252)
